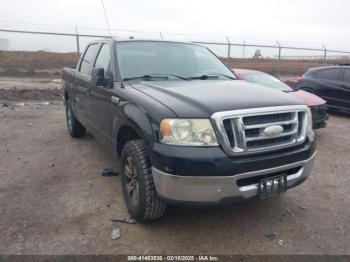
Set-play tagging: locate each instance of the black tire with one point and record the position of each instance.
(75, 128)
(140, 195)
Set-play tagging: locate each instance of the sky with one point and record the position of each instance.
(292, 22)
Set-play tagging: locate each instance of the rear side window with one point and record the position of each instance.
(104, 58)
(87, 62)
(347, 75)
(328, 74)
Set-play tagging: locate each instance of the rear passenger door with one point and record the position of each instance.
(82, 84)
(329, 85)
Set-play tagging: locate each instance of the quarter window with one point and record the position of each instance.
(328, 74)
(347, 75)
(87, 62)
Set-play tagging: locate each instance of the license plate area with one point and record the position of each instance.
(272, 186)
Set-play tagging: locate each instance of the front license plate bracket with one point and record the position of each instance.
(272, 186)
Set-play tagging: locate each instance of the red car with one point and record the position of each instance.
(316, 104)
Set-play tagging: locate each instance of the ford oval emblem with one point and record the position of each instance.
(272, 131)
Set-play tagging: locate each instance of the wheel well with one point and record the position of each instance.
(308, 89)
(125, 134)
(66, 96)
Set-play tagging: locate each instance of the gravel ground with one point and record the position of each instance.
(53, 200)
(33, 89)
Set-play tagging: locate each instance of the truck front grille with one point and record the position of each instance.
(260, 119)
(261, 129)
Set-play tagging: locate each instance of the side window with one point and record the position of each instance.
(86, 63)
(328, 74)
(347, 75)
(103, 58)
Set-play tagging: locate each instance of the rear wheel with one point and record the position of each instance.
(75, 128)
(141, 198)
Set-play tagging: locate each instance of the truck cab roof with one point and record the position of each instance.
(123, 40)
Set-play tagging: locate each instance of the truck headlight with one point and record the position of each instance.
(187, 132)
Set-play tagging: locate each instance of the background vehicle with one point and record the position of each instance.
(185, 129)
(332, 83)
(316, 104)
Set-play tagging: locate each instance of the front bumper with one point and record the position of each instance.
(218, 189)
(213, 161)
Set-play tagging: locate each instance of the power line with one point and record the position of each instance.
(52, 33)
(219, 43)
(111, 30)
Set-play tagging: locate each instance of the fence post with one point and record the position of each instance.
(77, 38)
(243, 49)
(325, 53)
(279, 58)
(228, 47)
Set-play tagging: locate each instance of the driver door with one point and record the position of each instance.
(99, 111)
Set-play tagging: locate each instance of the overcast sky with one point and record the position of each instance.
(301, 22)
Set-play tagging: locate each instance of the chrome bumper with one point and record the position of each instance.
(212, 189)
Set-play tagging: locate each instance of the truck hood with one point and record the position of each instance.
(202, 98)
(308, 98)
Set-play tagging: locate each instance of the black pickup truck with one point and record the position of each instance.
(185, 129)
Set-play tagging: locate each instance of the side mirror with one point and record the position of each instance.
(98, 76)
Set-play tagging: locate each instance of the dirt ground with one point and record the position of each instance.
(29, 89)
(40, 63)
(54, 200)
(287, 67)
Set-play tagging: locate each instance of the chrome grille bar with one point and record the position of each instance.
(293, 121)
(254, 137)
(257, 138)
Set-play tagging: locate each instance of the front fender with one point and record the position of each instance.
(133, 116)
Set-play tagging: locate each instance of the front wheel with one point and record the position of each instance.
(141, 198)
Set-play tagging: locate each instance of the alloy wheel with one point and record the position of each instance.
(132, 185)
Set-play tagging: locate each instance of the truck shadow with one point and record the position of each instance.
(210, 223)
(239, 218)
(338, 113)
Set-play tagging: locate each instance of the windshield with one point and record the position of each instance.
(267, 80)
(138, 59)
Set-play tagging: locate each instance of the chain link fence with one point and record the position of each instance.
(276, 58)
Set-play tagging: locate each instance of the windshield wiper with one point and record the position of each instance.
(146, 77)
(205, 77)
(155, 76)
(181, 77)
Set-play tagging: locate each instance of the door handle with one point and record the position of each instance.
(115, 100)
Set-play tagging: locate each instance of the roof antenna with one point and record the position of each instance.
(106, 18)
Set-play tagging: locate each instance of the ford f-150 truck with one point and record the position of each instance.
(185, 129)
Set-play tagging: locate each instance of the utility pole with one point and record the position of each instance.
(243, 49)
(325, 53)
(228, 47)
(279, 58)
(77, 38)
